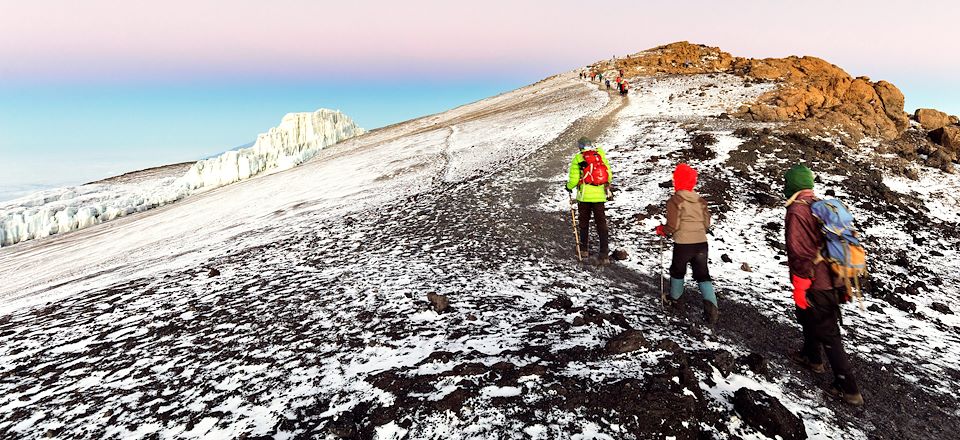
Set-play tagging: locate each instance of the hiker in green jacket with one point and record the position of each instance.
(590, 176)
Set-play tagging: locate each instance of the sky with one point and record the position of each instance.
(99, 87)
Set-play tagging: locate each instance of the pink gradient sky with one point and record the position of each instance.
(177, 40)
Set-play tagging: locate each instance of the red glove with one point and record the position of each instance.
(659, 231)
(800, 287)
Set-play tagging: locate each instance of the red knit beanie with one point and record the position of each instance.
(684, 178)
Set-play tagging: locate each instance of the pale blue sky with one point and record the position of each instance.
(95, 88)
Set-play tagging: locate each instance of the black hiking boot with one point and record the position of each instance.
(710, 312)
(804, 361)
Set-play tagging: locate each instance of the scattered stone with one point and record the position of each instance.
(744, 133)
(702, 140)
(900, 303)
(766, 414)
(668, 346)
(619, 255)
(745, 267)
(723, 361)
(213, 272)
(726, 258)
(471, 317)
(875, 308)
(561, 302)
(756, 363)
(579, 321)
(941, 307)
(764, 199)
(439, 302)
(667, 184)
(625, 342)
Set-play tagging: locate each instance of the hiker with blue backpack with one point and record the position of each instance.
(823, 254)
(590, 176)
(688, 220)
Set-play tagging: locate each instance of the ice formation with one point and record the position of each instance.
(298, 138)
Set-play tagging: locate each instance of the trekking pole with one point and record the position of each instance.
(576, 233)
(663, 296)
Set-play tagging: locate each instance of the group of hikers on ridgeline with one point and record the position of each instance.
(622, 86)
(823, 253)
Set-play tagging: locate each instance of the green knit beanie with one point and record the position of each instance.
(797, 178)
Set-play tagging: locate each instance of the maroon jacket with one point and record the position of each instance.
(804, 241)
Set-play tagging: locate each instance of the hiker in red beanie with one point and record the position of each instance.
(688, 219)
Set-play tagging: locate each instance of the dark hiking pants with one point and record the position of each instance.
(693, 254)
(596, 209)
(821, 327)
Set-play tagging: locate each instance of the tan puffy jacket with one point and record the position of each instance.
(687, 218)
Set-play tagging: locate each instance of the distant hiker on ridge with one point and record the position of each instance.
(590, 176)
(688, 219)
(815, 290)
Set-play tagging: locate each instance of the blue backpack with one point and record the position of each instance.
(842, 249)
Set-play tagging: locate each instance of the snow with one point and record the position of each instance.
(321, 289)
(298, 138)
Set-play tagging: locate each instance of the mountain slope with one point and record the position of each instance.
(295, 305)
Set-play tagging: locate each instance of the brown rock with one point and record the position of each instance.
(811, 89)
(439, 302)
(954, 120)
(948, 137)
(931, 119)
(625, 342)
(893, 100)
(745, 267)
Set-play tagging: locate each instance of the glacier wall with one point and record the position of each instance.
(299, 137)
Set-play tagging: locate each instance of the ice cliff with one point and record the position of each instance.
(298, 138)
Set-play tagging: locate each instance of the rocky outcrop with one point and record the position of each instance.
(813, 93)
(931, 119)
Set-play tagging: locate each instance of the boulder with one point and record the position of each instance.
(766, 414)
(948, 137)
(561, 302)
(756, 363)
(931, 119)
(619, 255)
(439, 302)
(625, 342)
(941, 307)
(213, 272)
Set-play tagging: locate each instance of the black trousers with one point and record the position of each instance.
(695, 255)
(596, 209)
(821, 328)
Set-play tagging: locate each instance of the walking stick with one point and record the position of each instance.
(663, 296)
(576, 233)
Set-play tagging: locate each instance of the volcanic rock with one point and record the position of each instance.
(811, 90)
(931, 119)
(766, 414)
(941, 307)
(948, 137)
(625, 342)
(439, 302)
(561, 302)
